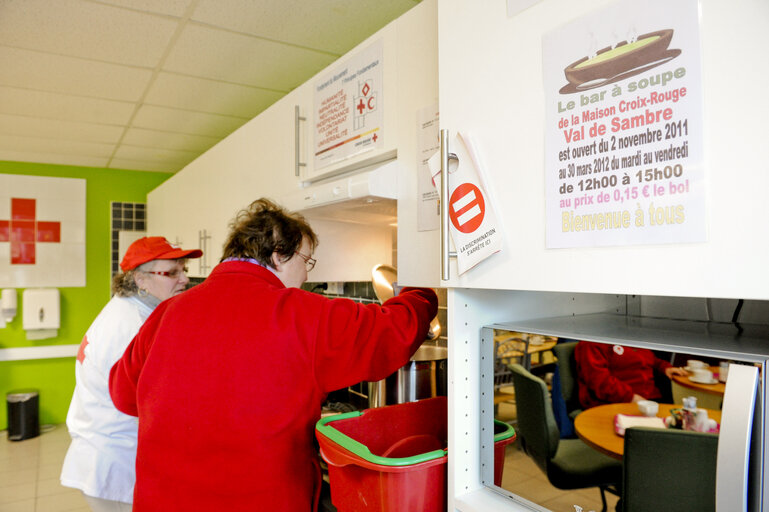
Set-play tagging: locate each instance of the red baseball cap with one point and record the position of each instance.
(150, 248)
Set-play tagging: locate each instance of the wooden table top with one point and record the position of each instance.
(714, 389)
(595, 426)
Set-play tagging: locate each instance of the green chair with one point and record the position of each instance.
(568, 463)
(667, 469)
(567, 369)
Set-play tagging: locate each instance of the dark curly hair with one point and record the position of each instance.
(265, 228)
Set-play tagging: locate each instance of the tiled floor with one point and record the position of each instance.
(29, 474)
(29, 477)
(523, 477)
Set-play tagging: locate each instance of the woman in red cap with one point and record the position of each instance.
(102, 456)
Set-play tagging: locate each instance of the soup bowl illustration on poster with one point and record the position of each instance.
(620, 61)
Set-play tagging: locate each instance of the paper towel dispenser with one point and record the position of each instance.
(40, 312)
(7, 305)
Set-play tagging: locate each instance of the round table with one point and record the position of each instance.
(595, 426)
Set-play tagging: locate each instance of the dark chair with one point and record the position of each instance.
(567, 369)
(667, 469)
(568, 463)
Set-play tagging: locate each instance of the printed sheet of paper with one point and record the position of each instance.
(624, 134)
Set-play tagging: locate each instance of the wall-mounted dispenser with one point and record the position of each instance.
(7, 306)
(40, 313)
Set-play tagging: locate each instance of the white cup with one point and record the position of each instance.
(723, 371)
(648, 407)
(702, 423)
(702, 375)
(693, 364)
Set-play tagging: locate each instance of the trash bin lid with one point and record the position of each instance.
(21, 395)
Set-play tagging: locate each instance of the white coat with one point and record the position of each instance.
(102, 457)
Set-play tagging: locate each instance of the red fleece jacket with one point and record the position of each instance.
(613, 373)
(228, 378)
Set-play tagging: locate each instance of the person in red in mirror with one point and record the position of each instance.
(615, 373)
(100, 460)
(228, 379)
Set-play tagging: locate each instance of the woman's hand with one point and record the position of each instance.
(674, 370)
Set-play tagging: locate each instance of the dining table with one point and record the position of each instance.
(595, 426)
(714, 388)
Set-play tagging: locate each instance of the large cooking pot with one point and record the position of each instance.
(424, 376)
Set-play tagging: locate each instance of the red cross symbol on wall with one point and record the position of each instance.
(23, 230)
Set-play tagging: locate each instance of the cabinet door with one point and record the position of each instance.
(176, 210)
(196, 206)
(352, 109)
(491, 86)
(417, 84)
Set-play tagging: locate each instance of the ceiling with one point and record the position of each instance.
(151, 84)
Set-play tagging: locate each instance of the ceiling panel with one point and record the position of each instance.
(86, 29)
(211, 53)
(53, 158)
(55, 129)
(210, 96)
(337, 25)
(143, 165)
(63, 107)
(70, 75)
(154, 154)
(169, 140)
(169, 7)
(187, 122)
(63, 147)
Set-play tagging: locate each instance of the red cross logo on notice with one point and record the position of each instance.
(24, 231)
(367, 101)
(467, 208)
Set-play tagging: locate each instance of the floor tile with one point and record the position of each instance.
(18, 506)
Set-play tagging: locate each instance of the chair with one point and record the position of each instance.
(567, 370)
(666, 469)
(568, 463)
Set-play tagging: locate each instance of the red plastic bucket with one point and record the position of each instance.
(387, 459)
(393, 458)
(504, 434)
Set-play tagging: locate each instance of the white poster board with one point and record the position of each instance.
(623, 136)
(42, 232)
(428, 143)
(349, 108)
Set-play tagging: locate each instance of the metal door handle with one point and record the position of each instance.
(446, 252)
(297, 156)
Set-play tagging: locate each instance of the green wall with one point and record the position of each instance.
(55, 378)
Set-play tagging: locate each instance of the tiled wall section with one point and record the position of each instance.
(125, 217)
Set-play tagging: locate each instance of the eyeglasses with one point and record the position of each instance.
(309, 262)
(173, 274)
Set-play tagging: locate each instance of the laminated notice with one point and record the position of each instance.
(473, 223)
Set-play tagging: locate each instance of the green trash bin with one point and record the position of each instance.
(23, 414)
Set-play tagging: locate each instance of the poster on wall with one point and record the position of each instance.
(428, 143)
(349, 108)
(42, 232)
(623, 132)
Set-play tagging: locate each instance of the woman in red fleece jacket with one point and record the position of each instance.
(615, 373)
(228, 378)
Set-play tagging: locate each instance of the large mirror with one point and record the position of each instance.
(568, 401)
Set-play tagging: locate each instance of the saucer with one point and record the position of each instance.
(711, 381)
